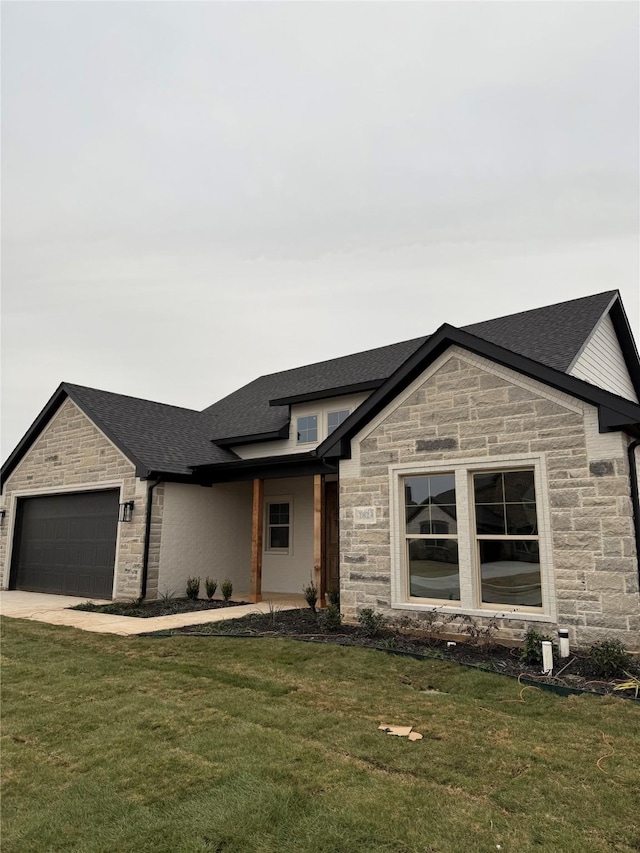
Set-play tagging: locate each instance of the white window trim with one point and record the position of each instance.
(315, 440)
(277, 499)
(470, 599)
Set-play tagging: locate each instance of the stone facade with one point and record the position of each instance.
(467, 408)
(71, 453)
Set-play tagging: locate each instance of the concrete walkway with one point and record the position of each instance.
(53, 609)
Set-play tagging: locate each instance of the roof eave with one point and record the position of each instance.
(627, 413)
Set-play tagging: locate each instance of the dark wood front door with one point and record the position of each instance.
(331, 537)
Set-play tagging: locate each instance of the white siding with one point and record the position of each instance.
(602, 363)
(206, 531)
(291, 572)
(321, 408)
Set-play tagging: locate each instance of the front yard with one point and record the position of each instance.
(239, 745)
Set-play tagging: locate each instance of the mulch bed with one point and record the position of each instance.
(156, 608)
(575, 673)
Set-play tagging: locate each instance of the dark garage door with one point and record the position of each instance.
(66, 544)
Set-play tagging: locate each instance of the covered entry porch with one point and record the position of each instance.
(293, 508)
(294, 536)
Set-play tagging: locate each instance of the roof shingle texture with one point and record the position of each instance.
(552, 335)
(172, 439)
(164, 438)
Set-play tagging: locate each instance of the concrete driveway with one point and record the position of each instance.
(53, 609)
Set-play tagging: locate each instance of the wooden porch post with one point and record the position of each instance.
(318, 536)
(257, 523)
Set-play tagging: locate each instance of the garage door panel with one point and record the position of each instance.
(66, 544)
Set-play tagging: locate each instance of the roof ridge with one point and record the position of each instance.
(73, 385)
(608, 293)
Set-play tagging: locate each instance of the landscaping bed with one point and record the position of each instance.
(146, 610)
(577, 672)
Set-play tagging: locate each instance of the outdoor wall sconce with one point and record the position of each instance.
(3, 512)
(125, 511)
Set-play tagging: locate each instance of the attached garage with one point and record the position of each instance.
(66, 543)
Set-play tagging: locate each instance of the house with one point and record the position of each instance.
(489, 472)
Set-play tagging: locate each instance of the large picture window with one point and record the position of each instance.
(470, 539)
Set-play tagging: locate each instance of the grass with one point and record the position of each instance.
(234, 745)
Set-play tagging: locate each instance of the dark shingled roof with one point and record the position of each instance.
(164, 438)
(552, 335)
(170, 439)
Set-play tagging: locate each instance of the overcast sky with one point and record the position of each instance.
(199, 193)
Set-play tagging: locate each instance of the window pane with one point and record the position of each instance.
(519, 487)
(431, 519)
(278, 513)
(278, 537)
(442, 489)
(510, 573)
(308, 428)
(416, 490)
(433, 569)
(487, 488)
(521, 519)
(334, 419)
(490, 519)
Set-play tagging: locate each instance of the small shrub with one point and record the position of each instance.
(310, 593)
(531, 650)
(371, 623)
(609, 658)
(333, 597)
(480, 633)
(226, 588)
(210, 587)
(167, 596)
(330, 619)
(193, 588)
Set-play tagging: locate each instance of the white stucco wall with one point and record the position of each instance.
(205, 531)
(291, 572)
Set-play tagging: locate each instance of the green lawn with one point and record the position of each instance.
(187, 744)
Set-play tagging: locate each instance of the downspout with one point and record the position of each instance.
(635, 497)
(147, 536)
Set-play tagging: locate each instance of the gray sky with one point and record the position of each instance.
(196, 194)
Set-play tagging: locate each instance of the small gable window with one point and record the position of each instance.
(334, 419)
(307, 429)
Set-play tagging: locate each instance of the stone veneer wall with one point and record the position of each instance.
(72, 452)
(467, 407)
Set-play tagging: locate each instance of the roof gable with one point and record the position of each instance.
(552, 335)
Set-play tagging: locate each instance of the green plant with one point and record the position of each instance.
(210, 587)
(531, 649)
(226, 588)
(273, 613)
(609, 658)
(333, 596)
(371, 623)
(167, 596)
(310, 593)
(330, 619)
(633, 683)
(193, 588)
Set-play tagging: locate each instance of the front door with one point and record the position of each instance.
(331, 537)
